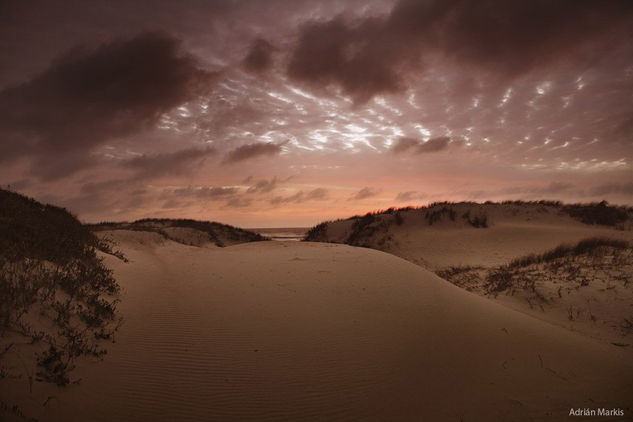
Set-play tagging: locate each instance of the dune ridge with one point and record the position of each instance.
(186, 231)
(470, 243)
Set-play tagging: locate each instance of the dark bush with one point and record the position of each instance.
(437, 215)
(584, 247)
(49, 265)
(479, 221)
(317, 233)
(597, 213)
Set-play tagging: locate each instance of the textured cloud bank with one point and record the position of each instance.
(246, 152)
(86, 98)
(372, 56)
(333, 108)
(420, 147)
(149, 166)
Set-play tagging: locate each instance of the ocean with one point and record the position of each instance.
(283, 233)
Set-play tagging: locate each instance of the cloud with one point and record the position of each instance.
(168, 164)
(333, 53)
(373, 56)
(613, 188)
(406, 196)
(263, 186)
(555, 187)
(301, 196)
(364, 193)
(87, 97)
(549, 189)
(317, 194)
(238, 202)
(257, 149)
(297, 197)
(420, 147)
(259, 57)
(212, 193)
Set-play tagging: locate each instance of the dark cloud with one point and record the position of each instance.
(88, 97)
(296, 198)
(301, 196)
(168, 164)
(518, 36)
(263, 186)
(364, 193)
(212, 193)
(19, 184)
(405, 144)
(406, 196)
(172, 203)
(372, 56)
(238, 202)
(259, 57)
(98, 188)
(613, 188)
(317, 194)
(420, 147)
(257, 149)
(353, 58)
(549, 189)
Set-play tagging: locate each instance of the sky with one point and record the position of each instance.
(278, 113)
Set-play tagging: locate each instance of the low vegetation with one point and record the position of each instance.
(594, 265)
(598, 213)
(369, 231)
(58, 299)
(569, 262)
(590, 247)
(473, 214)
(317, 233)
(434, 215)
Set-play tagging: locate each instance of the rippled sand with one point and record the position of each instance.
(308, 331)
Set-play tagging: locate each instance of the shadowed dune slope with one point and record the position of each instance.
(311, 331)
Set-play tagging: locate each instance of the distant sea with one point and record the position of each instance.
(283, 233)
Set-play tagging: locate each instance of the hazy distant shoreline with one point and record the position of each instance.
(282, 233)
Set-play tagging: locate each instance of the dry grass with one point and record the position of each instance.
(601, 268)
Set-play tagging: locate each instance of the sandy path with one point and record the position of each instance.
(309, 331)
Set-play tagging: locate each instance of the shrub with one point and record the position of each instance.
(398, 218)
(597, 213)
(437, 215)
(317, 233)
(479, 221)
(49, 265)
(584, 247)
(361, 228)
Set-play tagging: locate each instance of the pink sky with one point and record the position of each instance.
(280, 113)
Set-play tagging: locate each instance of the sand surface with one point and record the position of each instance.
(274, 331)
(603, 309)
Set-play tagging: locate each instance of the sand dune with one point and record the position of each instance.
(442, 239)
(313, 331)
(512, 231)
